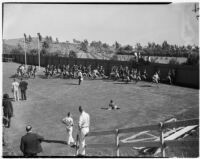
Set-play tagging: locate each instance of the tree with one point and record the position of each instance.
(57, 41)
(50, 39)
(72, 54)
(45, 44)
(29, 38)
(128, 48)
(104, 45)
(138, 47)
(84, 46)
(117, 45)
(33, 51)
(114, 57)
(39, 36)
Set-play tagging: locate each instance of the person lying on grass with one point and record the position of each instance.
(112, 105)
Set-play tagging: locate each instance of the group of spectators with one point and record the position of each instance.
(71, 71)
(26, 72)
(123, 73)
(133, 74)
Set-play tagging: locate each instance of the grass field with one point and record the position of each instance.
(49, 100)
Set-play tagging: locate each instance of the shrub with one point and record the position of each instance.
(72, 54)
(114, 57)
(173, 61)
(17, 51)
(192, 59)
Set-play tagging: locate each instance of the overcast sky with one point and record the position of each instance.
(127, 24)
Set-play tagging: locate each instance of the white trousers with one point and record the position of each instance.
(82, 133)
(70, 138)
(16, 95)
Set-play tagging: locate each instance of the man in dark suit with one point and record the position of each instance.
(23, 86)
(7, 109)
(31, 143)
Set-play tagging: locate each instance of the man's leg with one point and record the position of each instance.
(14, 94)
(9, 121)
(17, 95)
(71, 140)
(24, 94)
(22, 97)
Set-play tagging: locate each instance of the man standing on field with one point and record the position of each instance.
(83, 125)
(80, 77)
(15, 89)
(23, 87)
(68, 121)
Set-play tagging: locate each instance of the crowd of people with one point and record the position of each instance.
(26, 72)
(123, 73)
(71, 71)
(127, 74)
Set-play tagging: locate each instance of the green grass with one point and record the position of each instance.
(49, 100)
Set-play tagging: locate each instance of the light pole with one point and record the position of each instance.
(25, 49)
(39, 50)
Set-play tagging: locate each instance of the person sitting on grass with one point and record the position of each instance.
(144, 75)
(138, 78)
(156, 78)
(112, 105)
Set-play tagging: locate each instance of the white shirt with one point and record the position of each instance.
(15, 86)
(84, 120)
(80, 74)
(69, 122)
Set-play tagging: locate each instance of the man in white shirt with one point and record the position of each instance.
(80, 77)
(68, 121)
(15, 90)
(83, 124)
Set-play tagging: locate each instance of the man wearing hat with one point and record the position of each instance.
(31, 143)
(23, 87)
(7, 110)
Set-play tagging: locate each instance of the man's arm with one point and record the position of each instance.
(22, 145)
(40, 138)
(63, 121)
(80, 122)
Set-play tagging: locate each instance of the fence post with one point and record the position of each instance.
(162, 140)
(117, 142)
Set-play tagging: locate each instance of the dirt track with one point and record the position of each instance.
(49, 100)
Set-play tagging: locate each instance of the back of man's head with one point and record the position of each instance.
(28, 128)
(68, 114)
(80, 109)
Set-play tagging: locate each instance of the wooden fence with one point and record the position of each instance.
(162, 144)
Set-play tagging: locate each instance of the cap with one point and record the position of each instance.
(28, 128)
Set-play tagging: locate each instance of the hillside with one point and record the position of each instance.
(62, 48)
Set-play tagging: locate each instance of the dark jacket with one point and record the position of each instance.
(23, 85)
(31, 143)
(7, 108)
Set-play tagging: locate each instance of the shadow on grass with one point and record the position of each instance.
(72, 84)
(42, 76)
(122, 83)
(13, 76)
(146, 85)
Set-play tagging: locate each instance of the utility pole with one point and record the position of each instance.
(25, 50)
(39, 51)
